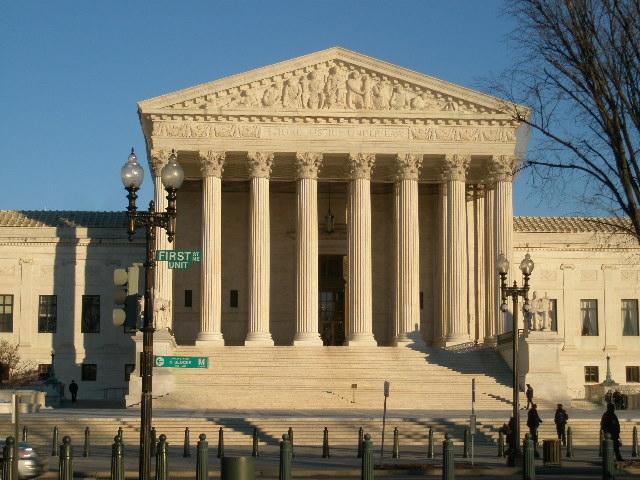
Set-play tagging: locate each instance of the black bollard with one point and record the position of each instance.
(325, 443)
(117, 459)
(162, 459)
(430, 443)
(466, 445)
(396, 444)
(87, 442)
(65, 470)
(285, 458)
(448, 460)
(220, 443)
(55, 448)
(529, 466)
(202, 458)
(25, 434)
(634, 442)
(186, 451)
(608, 459)
(290, 433)
(153, 441)
(500, 444)
(601, 443)
(9, 459)
(366, 472)
(256, 445)
(360, 440)
(569, 443)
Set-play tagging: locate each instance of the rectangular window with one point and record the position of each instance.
(128, 370)
(233, 303)
(188, 298)
(44, 371)
(89, 372)
(47, 313)
(589, 317)
(630, 318)
(633, 374)
(6, 313)
(90, 314)
(553, 314)
(591, 375)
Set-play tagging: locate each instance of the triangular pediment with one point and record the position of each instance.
(335, 81)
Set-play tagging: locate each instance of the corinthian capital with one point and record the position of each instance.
(503, 167)
(158, 159)
(211, 163)
(307, 164)
(361, 164)
(408, 166)
(455, 166)
(260, 164)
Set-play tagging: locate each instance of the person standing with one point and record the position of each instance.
(610, 424)
(529, 394)
(73, 389)
(560, 418)
(533, 422)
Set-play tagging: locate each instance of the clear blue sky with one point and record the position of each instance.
(72, 73)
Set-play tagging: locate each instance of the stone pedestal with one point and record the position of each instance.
(540, 365)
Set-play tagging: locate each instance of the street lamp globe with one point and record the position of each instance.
(172, 173)
(526, 266)
(503, 264)
(132, 173)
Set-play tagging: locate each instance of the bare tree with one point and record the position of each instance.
(579, 70)
(17, 371)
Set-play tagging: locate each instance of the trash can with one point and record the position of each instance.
(238, 468)
(551, 452)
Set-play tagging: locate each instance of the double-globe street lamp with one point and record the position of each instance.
(132, 175)
(526, 267)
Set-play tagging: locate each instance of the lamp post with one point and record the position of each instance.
(132, 175)
(526, 267)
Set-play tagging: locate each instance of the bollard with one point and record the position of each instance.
(87, 442)
(9, 459)
(25, 434)
(360, 440)
(202, 458)
(220, 443)
(121, 434)
(500, 444)
(569, 443)
(290, 433)
(65, 470)
(466, 445)
(600, 443)
(634, 442)
(55, 448)
(396, 446)
(117, 459)
(448, 460)
(153, 441)
(366, 472)
(529, 466)
(608, 459)
(162, 459)
(325, 443)
(186, 451)
(430, 444)
(256, 445)
(285, 458)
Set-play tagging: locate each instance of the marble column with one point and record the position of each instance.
(307, 332)
(455, 174)
(211, 165)
(259, 249)
(360, 312)
(407, 276)
(163, 288)
(502, 168)
(440, 324)
(490, 265)
(476, 243)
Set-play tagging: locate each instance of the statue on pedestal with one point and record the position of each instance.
(540, 313)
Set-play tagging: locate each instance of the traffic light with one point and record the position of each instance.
(127, 296)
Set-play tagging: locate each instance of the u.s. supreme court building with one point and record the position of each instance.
(350, 213)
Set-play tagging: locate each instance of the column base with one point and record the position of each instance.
(409, 341)
(307, 339)
(457, 340)
(258, 339)
(362, 340)
(210, 339)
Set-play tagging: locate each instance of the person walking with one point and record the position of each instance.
(529, 394)
(560, 418)
(73, 389)
(533, 422)
(610, 424)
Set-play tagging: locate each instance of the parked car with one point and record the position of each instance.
(30, 465)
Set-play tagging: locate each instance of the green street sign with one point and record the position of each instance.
(178, 259)
(180, 362)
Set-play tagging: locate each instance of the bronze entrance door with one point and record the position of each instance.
(331, 302)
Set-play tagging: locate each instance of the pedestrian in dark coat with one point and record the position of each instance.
(533, 422)
(560, 418)
(73, 389)
(529, 394)
(610, 424)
